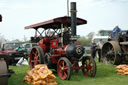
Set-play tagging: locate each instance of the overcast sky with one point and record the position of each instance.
(100, 14)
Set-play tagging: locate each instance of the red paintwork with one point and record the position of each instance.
(55, 58)
(44, 44)
(87, 67)
(54, 43)
(58, 52)
(34, 60)
(63, 73)
(8, 51)
(56, 23)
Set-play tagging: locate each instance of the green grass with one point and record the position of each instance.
(105, 75)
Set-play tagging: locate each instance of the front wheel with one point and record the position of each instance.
(89, 66)
(110, 53)
(64, 68)
(35, 56)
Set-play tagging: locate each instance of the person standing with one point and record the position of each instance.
(100, 44)
(93, 48)
(116, 31)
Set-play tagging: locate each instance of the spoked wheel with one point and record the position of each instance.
(36, 56)
(64, 68)
(110, 53)
(89, 66)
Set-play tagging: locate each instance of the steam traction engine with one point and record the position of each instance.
(58, 47)
(115, 51)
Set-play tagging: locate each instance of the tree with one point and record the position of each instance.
(25, 38)
(2, 39)
(16, 40)
(90, 35)
(84, 41)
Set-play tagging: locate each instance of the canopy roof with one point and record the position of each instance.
(56, 23)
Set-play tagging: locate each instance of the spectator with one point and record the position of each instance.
(100, 44)
(93, 48)
(116, 31)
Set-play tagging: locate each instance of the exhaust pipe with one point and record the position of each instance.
(0, 18)
(73, 18)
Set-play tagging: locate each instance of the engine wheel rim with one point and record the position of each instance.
(34, 57)
(88, 67)
(109, 55)
(62, 69)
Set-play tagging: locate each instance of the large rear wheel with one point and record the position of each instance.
(64, 68)
(110, 53)
(36, 56)
(89, 66)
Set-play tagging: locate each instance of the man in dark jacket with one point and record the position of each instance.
(93, 48)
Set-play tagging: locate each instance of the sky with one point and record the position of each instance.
(100, 14)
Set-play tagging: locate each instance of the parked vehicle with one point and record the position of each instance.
(14, 51)
(29, 46)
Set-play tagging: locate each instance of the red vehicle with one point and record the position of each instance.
(10, 49)
(59, 49)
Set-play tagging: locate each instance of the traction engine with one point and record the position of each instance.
(58, 47)
(115, 51)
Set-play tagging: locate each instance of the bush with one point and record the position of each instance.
(84, 41)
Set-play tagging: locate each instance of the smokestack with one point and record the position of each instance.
(0, 18)
(73, 18)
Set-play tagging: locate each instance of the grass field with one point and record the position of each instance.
(105, 75)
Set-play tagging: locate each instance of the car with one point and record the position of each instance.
(14, 51)
(29, 46)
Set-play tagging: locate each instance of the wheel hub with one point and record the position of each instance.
(62, 68)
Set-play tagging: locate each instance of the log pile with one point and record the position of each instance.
(40, 75)
(122, 69)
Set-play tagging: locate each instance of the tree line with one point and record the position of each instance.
(84, 40)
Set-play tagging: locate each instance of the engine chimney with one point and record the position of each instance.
(73, 18)
(0, 18)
